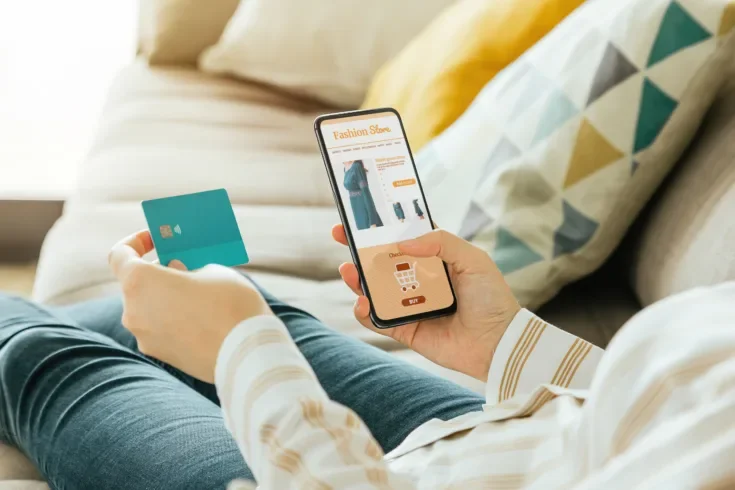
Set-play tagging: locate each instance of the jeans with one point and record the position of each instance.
(91, 412)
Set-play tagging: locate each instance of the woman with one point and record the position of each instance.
(95, 405)
(361, 199)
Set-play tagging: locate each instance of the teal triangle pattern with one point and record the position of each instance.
(511, 254)
(678, 30)
(574, 232)
(503, 152)
(656, 108)
(536, 85)
(474, 222)
(614, 69)
(559, 110)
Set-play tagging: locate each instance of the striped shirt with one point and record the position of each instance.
(657, 410)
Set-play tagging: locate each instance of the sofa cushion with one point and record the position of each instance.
(460, 51)
(327, 50)
(15, 466)
(288, 240)
(686, 237)
(560, 152)
(177, 31)
(172, 130)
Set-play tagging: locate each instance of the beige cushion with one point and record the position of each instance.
(23, 485)
(687, 237)
(170, 130)
(177, 31)
(328, 50)
(15, 466)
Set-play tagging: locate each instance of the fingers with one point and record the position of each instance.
(351, 277)
(178, 265)
(438, 243)
(362, 312)
(338, 233)
(128, 252)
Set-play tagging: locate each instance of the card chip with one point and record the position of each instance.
(166, 231)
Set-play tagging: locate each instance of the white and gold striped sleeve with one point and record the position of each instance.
(290, 433)
(533, 352)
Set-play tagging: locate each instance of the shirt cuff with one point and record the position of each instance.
(236, 337)
(533, 352)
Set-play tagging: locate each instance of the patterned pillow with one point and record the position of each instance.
(556, 156)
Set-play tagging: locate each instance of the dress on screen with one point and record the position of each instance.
(417, 208)
(398, 209)
(361, 200)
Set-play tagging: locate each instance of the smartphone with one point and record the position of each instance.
(381, 202)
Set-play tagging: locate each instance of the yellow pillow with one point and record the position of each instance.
(437, 76)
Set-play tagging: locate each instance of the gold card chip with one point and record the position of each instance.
(166, 231)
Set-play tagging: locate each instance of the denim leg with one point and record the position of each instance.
(92, 413)
(390, 395)
(104, 316)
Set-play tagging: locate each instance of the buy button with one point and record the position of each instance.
(414, 301)
(404, 182)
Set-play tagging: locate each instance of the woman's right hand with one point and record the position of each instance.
(465, 341)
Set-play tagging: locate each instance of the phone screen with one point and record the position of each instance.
(381, 198)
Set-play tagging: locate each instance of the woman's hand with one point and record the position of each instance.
(181, 317)
(465, 341)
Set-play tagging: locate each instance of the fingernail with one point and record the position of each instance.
(178, 265)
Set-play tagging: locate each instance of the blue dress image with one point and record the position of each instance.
(417, 208)
(361, 200)
(398, 209)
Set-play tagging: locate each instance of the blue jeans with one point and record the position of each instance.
(91, 412)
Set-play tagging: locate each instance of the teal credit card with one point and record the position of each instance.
(197, 229)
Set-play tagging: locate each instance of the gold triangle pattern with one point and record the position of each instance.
(592, 152)
(728, 19)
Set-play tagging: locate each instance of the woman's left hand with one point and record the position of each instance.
(177, 316)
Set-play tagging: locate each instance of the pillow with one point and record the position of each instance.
(557, 155)
(177, 31)
(326, 50)
(436, 77)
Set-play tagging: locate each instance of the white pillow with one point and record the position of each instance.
(329, 50)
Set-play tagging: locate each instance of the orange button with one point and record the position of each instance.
(414, 301)
(404, 182)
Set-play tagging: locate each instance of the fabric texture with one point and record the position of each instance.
(438, 74)
(685, 239)
(167, 430)
(560, 151)
(642, 415)
(275, 406)
(175, 32)
(326, 50)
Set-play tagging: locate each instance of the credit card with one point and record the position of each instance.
(197, 229)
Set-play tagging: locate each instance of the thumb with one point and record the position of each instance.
(178, 265)
(438, 243)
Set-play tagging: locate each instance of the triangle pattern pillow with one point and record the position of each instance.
(557, 155)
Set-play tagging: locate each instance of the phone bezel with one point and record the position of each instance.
(379, 322)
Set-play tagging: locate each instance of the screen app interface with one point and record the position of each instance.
(379, 190)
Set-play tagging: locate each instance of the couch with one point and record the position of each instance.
(173, 130)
